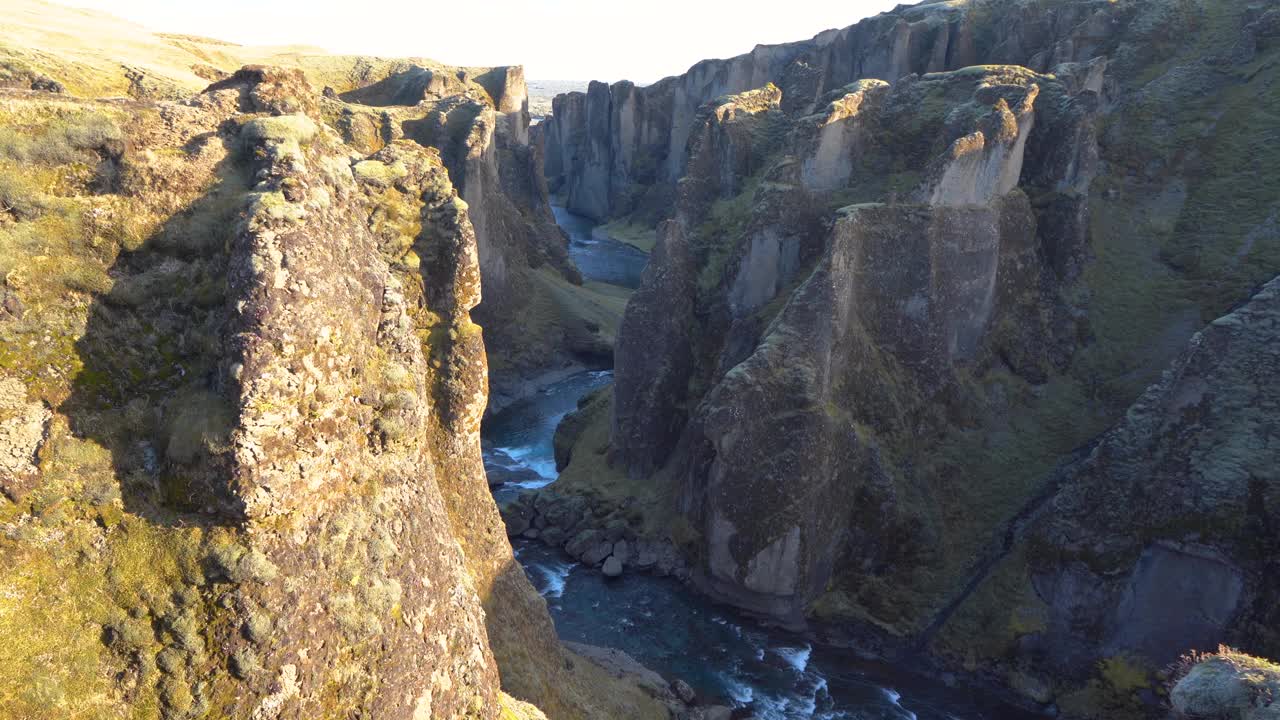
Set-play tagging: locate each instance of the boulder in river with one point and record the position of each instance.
(582, 542)
(498, 475)
(552, 535)
(646, 559)
(597, 554)
(563, 512)
(517, 516)
(616, 529)
(683, 691)
(716, 712)
(612, 567)
(622, 551)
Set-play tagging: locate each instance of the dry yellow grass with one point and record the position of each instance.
(94, 54)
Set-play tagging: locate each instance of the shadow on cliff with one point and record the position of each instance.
(151, 390)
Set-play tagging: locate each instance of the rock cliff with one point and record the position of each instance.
(1162, 539)
(914, 270)
(618, 149)
(252, 408)
(887, 308)
(240, 400)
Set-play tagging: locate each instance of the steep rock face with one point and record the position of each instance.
(1195, 567)
(654, 354)
(907, 293)
(773, 419)
(482, 131)
(620, 149)
(654, 360)
(246, 444)
(833, 137)
(941, 284)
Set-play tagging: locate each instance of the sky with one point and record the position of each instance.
(553, 39)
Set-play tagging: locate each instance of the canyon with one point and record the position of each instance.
(937, 352)
(921, 361)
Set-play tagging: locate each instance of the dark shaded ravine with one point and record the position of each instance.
(724, 655)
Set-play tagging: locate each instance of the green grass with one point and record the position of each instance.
(609, 488)
(553, 311)
(636, 234)
(720, 233)
(70, 138)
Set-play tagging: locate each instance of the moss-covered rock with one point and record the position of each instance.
(163, 471)
(1227, 684)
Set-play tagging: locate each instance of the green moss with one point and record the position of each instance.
(720, 234)
(1004, 608)
(608, 489)
(20, 198)
(378, 173)
(69, 627)
(200, 426)
(1123, 674)
(296, 129)
(1192, 207)
(1112, 692)
(274, 206)
(257, 627)
(245, 664)
(554, 313)
(65, 137)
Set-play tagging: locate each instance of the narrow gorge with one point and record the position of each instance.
(923, 369)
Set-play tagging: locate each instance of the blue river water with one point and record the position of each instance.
(600, 258)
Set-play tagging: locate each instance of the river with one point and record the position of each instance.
(724, 655)
(600, 258)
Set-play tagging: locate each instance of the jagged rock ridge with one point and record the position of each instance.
(620, 148)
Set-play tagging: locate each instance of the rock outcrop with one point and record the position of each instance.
(476, 116)
(258, 399)
(909, 291)
(1227, 684)
(479, 120)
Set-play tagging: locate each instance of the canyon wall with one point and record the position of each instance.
(867, 382)
(619, 149)
(479, 120)
(254, 394)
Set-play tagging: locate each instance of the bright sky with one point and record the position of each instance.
(553, 39)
